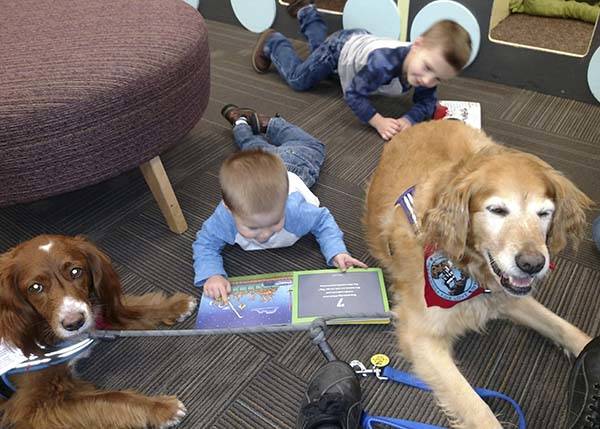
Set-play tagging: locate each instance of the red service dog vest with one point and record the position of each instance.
(445, 285)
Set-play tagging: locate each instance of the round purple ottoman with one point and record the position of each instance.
(90, 89)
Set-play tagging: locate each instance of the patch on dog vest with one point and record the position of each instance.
(446, 285)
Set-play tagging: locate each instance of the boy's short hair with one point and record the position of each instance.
(453, 39)
(253, 181)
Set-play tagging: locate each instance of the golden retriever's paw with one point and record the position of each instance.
(169, 411)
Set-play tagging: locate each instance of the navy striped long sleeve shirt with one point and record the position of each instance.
(373, 65)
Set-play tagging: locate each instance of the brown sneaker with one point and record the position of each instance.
(232, 113)
(296, 5)
(261, 62)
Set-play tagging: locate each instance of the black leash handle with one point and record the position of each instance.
(319, 337)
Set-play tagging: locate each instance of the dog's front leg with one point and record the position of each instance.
(53, 399)
(114, 410)
(150, 310)
(529, 312)
(432, 361)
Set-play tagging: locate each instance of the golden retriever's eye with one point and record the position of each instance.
(35, 288)
(76, 272)
(500, 211)
(545, 213)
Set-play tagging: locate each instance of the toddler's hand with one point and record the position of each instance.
(403, 123)
(217, 286)
(386, 127)
(344, 261)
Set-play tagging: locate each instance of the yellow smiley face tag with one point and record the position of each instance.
(380, 360)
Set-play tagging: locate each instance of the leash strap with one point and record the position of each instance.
(407, 202)
(410, 380)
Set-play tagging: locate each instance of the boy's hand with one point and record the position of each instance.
(217, 286)
(344, 261)
(386, 127)
(403, 123)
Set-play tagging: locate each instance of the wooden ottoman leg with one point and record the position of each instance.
(158, 182)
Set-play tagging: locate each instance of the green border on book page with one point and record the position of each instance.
(296, 319)
(265, 276)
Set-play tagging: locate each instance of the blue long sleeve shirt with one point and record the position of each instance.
(301, 218)
(373, 65)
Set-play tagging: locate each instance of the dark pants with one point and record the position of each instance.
(301, 153)
(323, 59)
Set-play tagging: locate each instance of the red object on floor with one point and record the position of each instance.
(440, 111)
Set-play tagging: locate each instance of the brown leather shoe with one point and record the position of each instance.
(261, 62)
(296, 5)
(232, 113)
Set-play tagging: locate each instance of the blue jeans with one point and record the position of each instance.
(323, 59)
(301, 153)
(596, 232)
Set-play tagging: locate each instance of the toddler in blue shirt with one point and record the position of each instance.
(368, 64)
(266, 201)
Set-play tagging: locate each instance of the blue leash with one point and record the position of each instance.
(398, 376)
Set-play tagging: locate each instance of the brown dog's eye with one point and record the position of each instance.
(35, 288)
(76, 272)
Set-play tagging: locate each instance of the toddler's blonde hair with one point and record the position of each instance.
(254, 182)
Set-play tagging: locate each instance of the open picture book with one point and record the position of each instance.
(467, 111)
(280, 299)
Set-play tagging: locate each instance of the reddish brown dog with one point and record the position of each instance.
(54, 288)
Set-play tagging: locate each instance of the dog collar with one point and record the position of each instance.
(407, 202)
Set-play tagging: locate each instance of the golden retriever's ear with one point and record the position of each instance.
(569, 218)
(18, 320)
(105, 283)
(446, 224)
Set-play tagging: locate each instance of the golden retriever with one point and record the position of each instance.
(54, 288)
(499, 216)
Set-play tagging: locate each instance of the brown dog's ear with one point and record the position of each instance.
(446, 224)
(569, 220)
(105, 283)
(18, 319)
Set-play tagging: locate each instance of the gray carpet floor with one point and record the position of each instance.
(256, 381)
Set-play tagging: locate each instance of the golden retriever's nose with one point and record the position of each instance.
(73, 322)
(530, 262)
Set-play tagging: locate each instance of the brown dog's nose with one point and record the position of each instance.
(530, 262)
(73, 322)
